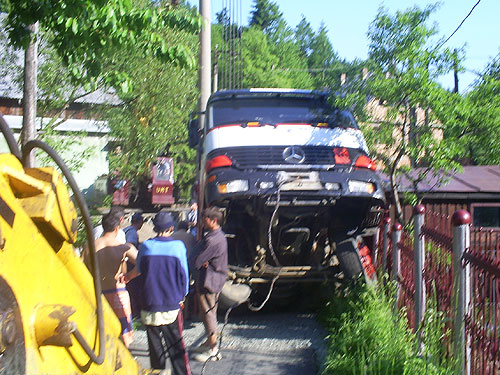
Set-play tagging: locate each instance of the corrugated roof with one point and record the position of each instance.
(70, 125)
(473, 179)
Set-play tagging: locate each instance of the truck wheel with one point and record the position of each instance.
(348, 256)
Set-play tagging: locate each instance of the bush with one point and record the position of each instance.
(367, 338)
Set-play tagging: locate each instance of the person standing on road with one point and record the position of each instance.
(163, 263)
(131, 235)
(134, 287)
(112, 257)
(212, 268)
(182, 234)
(98, 231)
(192, 217)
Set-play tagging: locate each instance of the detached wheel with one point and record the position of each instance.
(233, 295)
(348, 256)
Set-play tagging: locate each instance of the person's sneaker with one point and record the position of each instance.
(199, 349)
(208, 355)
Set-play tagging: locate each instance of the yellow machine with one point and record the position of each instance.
(50, 319)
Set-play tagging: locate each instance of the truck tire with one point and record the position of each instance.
(348, 256)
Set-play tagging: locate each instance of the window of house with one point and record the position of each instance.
(484, 215)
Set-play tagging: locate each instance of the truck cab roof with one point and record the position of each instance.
(256, 92)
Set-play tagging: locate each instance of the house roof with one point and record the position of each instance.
(474, 180)
(69, 125)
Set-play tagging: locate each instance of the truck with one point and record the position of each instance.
(293, 176)
(153, 190)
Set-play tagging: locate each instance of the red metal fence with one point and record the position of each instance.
(479, 265)
(482, 320)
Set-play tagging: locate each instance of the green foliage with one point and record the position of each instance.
(259, 72)
(86, 33)
(304, 35)
(65, 144)
(322, 58)
(475, 118)
(4, 5)
(403, 79)
(270, 57)
(367, 338)
(119, 44)
(152, 120)
(266, 16)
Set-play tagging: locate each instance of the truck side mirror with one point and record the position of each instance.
(193, 132)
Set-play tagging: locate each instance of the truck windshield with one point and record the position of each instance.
(276, 110)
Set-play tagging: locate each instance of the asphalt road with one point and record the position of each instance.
(253, 343)
(256, 344)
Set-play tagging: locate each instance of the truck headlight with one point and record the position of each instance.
(332, 186)
(361, 187)
(266, 185)
(232, 186)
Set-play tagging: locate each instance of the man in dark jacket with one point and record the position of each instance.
(212, 268)
(163, 263)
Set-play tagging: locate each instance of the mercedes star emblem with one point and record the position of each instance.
(294, 155)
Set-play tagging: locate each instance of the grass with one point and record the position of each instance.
(367, 338)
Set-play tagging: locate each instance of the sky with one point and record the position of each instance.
(348, 21)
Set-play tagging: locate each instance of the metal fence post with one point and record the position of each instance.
(419, 254)
(396, 259)
(461, 290)
(385, 244)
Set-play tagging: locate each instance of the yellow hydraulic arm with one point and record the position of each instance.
(50, 319)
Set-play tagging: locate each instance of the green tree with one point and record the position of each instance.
(152, 120)
(322, 58)
(89, 51)
(266, 16)
(261, 71)
(403, 79)
(266, 64)
(86, 33)
(475, 118)
(304, 35)
(227, 51)
(56, 93)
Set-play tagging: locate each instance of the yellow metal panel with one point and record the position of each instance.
(48, 283)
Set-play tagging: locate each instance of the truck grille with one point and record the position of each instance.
(250, 157)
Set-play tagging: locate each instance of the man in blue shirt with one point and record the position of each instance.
(163, 263)
(131, 235)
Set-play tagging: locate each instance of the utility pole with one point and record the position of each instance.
(455, 71)
(28, 131)
(205, 59)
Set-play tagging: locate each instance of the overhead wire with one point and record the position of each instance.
(459, 26)
(231, 51)
(481, 74)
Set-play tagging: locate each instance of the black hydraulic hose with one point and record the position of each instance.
(9, 137)
(30, 145)
(226, 319)
(269, 230)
